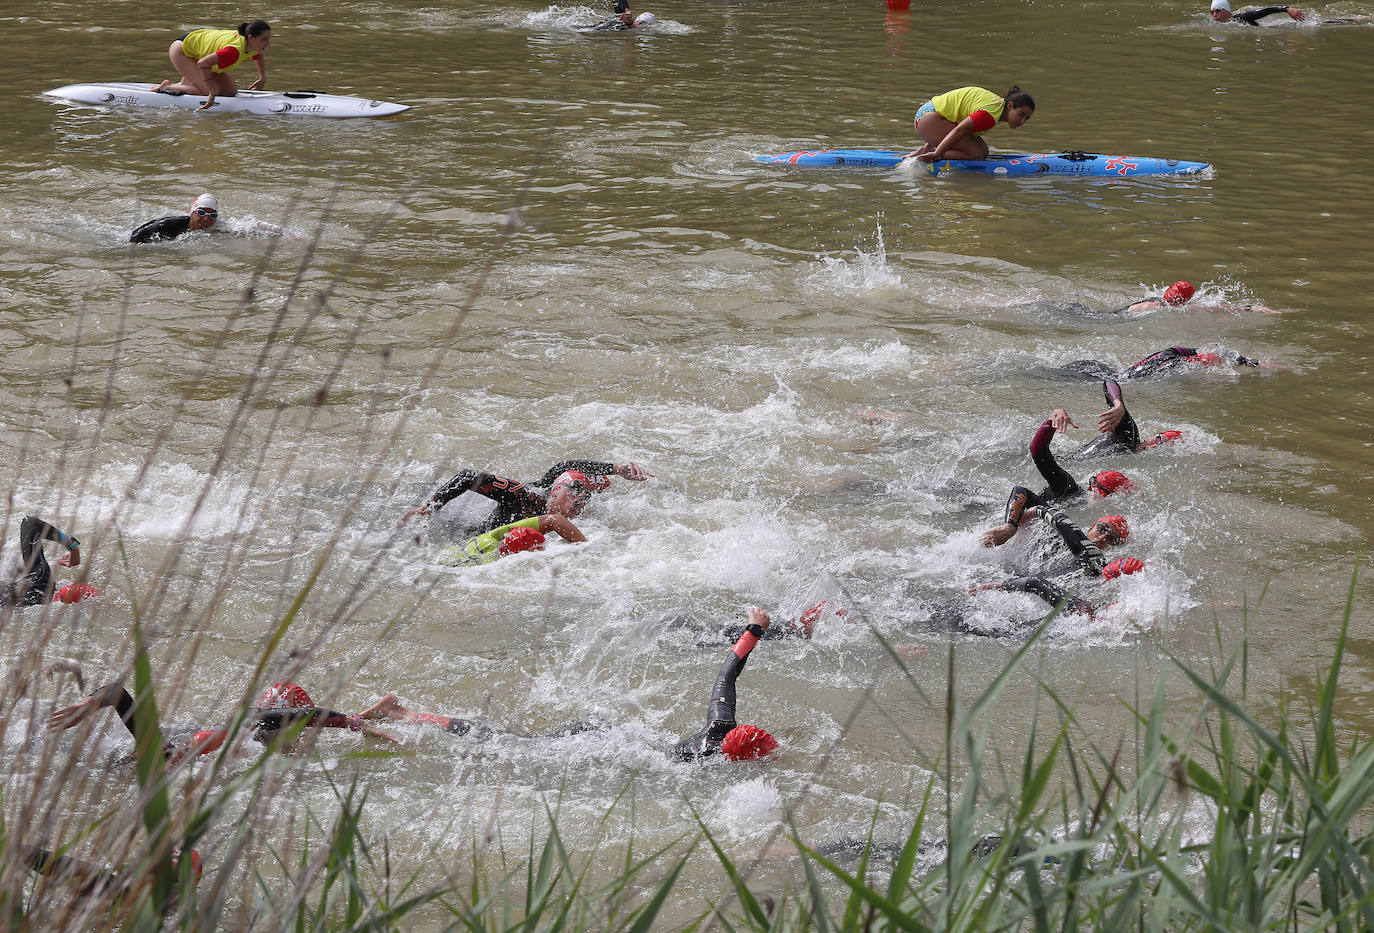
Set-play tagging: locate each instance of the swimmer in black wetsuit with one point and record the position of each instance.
(1221, 13)
(1118, 431)
(281, 705)
(1159, 363)
(1086, 564)
(34, 584)
(622, 20)
(570, 484)
(203, 214)
(722, 734)
(1059, 484)
(90, 880)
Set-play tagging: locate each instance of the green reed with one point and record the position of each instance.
(1092, 838)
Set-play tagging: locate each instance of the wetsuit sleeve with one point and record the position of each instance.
(1126, 432)
(164, 228)
(91, 879)
(720, 712)
(1051, 593)
(1061, 484)
(1252, 17)
(1020, 499)
(513, 497)
(722, 706)
(1088, 554)
(590, 467)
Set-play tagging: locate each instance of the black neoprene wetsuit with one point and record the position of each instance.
(514, 500)
(266, 723)
(164, 228)
(1085, 564)
(1060, 485)
(34, 586)
(1156, 364)
(1124, 438)
(1252, 17)
(612, 24)
(720, 712)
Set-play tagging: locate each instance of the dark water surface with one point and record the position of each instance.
(664, 300)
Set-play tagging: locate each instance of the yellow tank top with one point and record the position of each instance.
(202, 42)
(959, 103)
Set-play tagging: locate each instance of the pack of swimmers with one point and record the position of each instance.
(516, 517)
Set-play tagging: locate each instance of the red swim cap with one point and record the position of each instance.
(522, 539)
(1110, 481)
(1118, 525)
(197, 869)
(74, 593)
(284, 695)
(1178, 293)
(589, 484)
(1206, 359)
(1122, 566)
(745, 743)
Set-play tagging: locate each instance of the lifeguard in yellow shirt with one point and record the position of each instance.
(952, 124)
(205, 57)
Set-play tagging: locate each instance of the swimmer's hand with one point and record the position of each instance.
(373, 732)
(984, 586)
(70, 559)
(1109, 419)
(1000, 535)
(259, 84)
(1296, 14)
(760, 618)
(69, 716)
(209, 101)
(1060, 420)
(425, 509)
(632, 471)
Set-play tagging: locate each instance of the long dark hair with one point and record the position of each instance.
(1019, 98)
(256, 28)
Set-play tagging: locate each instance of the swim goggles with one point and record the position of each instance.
(1113, 536)
(206, 212)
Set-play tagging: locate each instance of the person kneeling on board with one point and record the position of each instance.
(205, 57)
(202, 216)
(952, 124)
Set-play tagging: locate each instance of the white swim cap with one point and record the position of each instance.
(1221, 5)
(206, 201)
(645, 19)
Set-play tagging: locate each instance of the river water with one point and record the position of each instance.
(640, 290)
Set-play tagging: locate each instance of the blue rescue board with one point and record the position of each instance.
(1002, 163)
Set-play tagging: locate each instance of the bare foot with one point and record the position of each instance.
(163, 86)
(388, 707)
